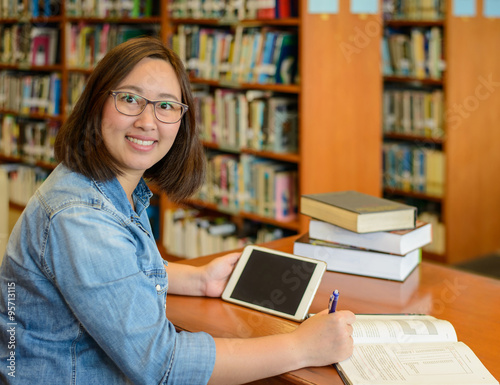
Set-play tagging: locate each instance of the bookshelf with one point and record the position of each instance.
(466, 203)
(323, 90)
(235, 102)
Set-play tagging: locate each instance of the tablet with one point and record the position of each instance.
(274, 282)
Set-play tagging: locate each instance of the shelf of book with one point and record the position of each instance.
(290, 225)
(30, 67)
(429, 256)
(16, 206)
(241, 148)
(288, 22)
(36, 116)
(32, 20)
(284, 157)
(413, 23)
(414, 138)
(283, 88)
(412, 194)
(115, 20)
(413, 80)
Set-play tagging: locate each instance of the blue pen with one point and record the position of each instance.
(332, 305)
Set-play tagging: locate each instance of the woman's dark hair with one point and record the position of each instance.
(79, 144)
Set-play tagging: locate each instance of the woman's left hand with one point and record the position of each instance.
(217, 273)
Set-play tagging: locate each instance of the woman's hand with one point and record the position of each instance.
(217, 273)
(207, 280)
(321, 340)
(329, 337)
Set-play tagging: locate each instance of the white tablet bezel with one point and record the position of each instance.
(305, 303)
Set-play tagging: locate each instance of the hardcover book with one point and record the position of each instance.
(359, 212)
(352, 260)
(396, 242)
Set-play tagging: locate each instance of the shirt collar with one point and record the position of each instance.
(113, 190)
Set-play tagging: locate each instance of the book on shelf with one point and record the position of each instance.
(410, 349)
(415, 52)
(24, 180)
(409, 167)
(438, 245)
(287, 60)
(246, 55)
(44, 45)
(395, 242)
(86, 44)
(253, 119)
(282, 124)
(112, 8)
(414, 112)
(252, 184)
(358, 212)
(353, 260)
(413, 10)
(193, 233)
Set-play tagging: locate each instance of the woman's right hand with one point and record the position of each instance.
(326, 338)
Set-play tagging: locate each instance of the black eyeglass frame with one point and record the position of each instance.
(184, 107)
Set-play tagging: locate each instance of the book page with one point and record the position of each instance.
(401, 329)
(450, 363)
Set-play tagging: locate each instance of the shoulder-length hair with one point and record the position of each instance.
(79, 144)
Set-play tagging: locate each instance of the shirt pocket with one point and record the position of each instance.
(158, 278)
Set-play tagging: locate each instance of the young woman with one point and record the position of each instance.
(87, 280)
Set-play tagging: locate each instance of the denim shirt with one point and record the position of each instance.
(86, 289)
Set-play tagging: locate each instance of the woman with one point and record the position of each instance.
(89, 284)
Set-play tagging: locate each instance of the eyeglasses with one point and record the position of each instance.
(166, 111)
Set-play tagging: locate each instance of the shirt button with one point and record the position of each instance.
(158, 287)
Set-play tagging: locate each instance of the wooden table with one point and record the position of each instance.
(470, 302)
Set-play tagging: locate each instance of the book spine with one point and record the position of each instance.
(411, 168)
(248, 54)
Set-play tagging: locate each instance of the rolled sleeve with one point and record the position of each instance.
(116, 289)
(194, 359)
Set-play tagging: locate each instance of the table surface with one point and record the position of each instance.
(470, 302)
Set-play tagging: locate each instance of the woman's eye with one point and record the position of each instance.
(128, 98)
(166, 106)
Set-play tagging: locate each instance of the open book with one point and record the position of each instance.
(414, 349)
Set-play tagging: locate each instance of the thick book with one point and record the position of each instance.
(412, 350)
(352, 260)
(359, 212)
(395, 242)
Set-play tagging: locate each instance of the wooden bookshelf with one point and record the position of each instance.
(469, 204)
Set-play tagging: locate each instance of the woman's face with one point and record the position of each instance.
(138, 142)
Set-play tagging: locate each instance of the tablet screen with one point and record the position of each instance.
(273, 281)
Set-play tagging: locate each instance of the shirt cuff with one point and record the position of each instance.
(193, 359)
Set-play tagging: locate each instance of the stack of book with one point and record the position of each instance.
(361, 234)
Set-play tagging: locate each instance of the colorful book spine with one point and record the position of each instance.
(414, 169)
(247, 55)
